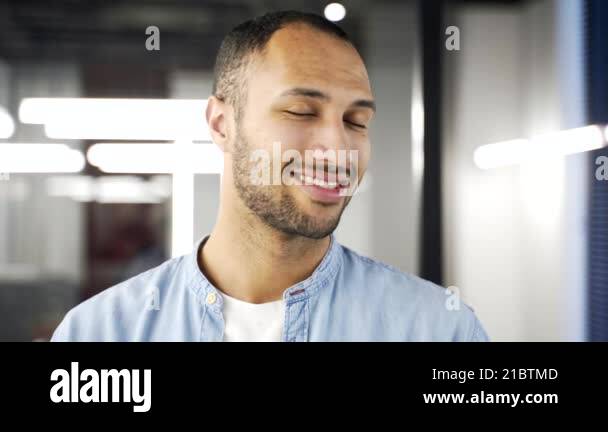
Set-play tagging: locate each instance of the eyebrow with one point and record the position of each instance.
(313, 93)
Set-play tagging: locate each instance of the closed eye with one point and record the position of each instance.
(301, 114)
(357, 125)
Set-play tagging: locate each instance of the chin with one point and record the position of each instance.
(322, 226)
(322, 214)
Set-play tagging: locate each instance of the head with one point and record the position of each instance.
(294, 79)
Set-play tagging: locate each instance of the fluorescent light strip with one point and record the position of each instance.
(118, 119)
(110, 189)
(182, 210)
(147, 158)
(538, 148)
(7, 124)
(40, 158)
(76, 187)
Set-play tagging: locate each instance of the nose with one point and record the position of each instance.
(332, 135)
(332, 148)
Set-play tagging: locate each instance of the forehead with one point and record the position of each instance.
(301, 55)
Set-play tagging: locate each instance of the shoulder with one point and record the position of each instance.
(421, 306)
(388, 279)
(115, 313)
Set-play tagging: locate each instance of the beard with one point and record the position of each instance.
(274, 205)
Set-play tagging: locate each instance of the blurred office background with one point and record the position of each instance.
(525, 244)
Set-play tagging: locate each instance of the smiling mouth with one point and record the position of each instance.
(323, 179)
(320, 182)
(322, 190)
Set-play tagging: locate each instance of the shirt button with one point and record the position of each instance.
(211, 298)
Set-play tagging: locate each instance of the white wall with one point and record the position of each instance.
(513, 236)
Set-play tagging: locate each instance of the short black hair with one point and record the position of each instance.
(252, 36)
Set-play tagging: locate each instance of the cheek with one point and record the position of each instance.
(264, 132)
(294, 137)
(364, 149)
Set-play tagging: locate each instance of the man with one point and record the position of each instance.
(271, 270)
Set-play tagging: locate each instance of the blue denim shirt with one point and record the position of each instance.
(347, 298)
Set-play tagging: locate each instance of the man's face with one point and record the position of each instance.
(309, 91)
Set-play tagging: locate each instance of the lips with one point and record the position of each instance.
(320, 182)
(321, 189)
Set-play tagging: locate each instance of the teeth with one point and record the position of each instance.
(344, 192)
(327, 185)
(317, 182)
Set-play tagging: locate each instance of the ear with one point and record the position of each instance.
(217, 113)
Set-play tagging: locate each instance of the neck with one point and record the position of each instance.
(250, 261)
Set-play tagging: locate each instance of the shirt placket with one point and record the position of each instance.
(213, 320)
(297, 316)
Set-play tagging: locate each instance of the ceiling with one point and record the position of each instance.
(113, 31)
(102, 31)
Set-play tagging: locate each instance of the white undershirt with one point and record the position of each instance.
(250, 322)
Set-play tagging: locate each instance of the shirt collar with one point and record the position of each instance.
(321, 276)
